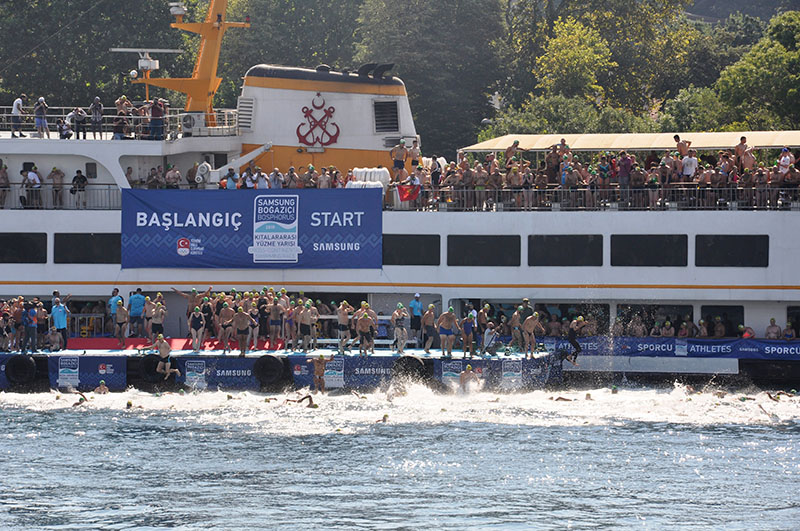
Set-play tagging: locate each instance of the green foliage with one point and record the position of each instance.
(565, 115)
(59, 50)
(288, 32)
(444, 55)
(693, 109)
(582, 51)
(762, 88)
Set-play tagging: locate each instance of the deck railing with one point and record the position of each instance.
(177, 123)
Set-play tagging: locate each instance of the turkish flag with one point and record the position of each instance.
(408, 192)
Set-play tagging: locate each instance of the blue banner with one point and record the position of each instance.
(759, 349)
(351, 372)
(85, 372)
(206, 372)
(501, 374)
(232, 229)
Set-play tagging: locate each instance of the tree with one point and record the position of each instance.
(303, 33)
(693, 109)
(559, 114)
(446, 58)
(762, 87)
(572, 59)
(60, 49)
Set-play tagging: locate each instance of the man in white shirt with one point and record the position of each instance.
(689, 166)
(16, 116)
(785, 161)
(33, 183)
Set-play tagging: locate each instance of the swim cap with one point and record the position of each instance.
(291, 303)
(580, 318)
(255, 305)
(319, 301)
(486, 306)
(158, 305)
(224, 304)
(667, 323)
(205, 299)
(520, 308)
(147, 298)
(366, 305)
(81, 400)
(333, 303)
(119, 303)
(450, 309)
(741, 327)
(194, 290)
(197, 308)
(399, 305)
(102, 382)
(240, 309)
(321, 356)
(308, 305)
(283, 290)
(159, 294)
(431, 306)
(536, 314)
(469, 367)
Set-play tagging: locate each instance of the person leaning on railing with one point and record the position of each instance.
(78, 189)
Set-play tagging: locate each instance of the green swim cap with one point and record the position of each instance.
(520, 308)
(205, 299)
(102, 382)
(450, 309)
(308, 305)
(197, 308)
(224, 304)
(399, 305)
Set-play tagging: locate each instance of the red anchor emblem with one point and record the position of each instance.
(316, 130)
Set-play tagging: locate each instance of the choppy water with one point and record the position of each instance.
(648, 458)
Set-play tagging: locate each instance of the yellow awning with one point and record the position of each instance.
(642, 141)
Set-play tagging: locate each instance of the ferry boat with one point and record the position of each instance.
(605, 262)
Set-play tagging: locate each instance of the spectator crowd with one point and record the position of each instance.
(298, 322)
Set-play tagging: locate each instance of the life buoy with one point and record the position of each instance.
(270, 371)
(410, 367)
(21, 369)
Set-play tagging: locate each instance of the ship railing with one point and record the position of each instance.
(87, 325)
(177, 124)
(51, 197)
(584, 198)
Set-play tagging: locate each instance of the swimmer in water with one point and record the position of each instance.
(468, 376)
(311, 403)
(383, 420)
(81, 401)
(101, 389)
(319, 371)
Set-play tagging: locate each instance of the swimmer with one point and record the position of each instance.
(164, 361)
(81, 401)
(101, 389)
(311, 403)
(447, 323)
(468, 376)
(572, 336)
(319, 371)
(384, 419)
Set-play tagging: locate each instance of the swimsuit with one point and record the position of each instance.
(467, 328)
(343, 328)
(197, 322)
(445, 331)
(241, 332)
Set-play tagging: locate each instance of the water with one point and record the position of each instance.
(646, 458)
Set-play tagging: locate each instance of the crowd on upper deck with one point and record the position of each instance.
(143, 122)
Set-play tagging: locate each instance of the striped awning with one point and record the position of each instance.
(641, 141)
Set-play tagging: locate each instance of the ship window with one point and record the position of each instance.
(386, 119)
(485, 250)
(730, 316)
(650, 314)
(567, 250)
(731, 251)
(23, 248)
(792, 316)
(87, 248)
(91, 170)
(411, 249)
(598, 312)
(649, 250)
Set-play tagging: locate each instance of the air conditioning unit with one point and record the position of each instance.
(191, 122)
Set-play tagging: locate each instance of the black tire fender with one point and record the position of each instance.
(21, 369)
(409, 367)
(147, 369)
(269, 370)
